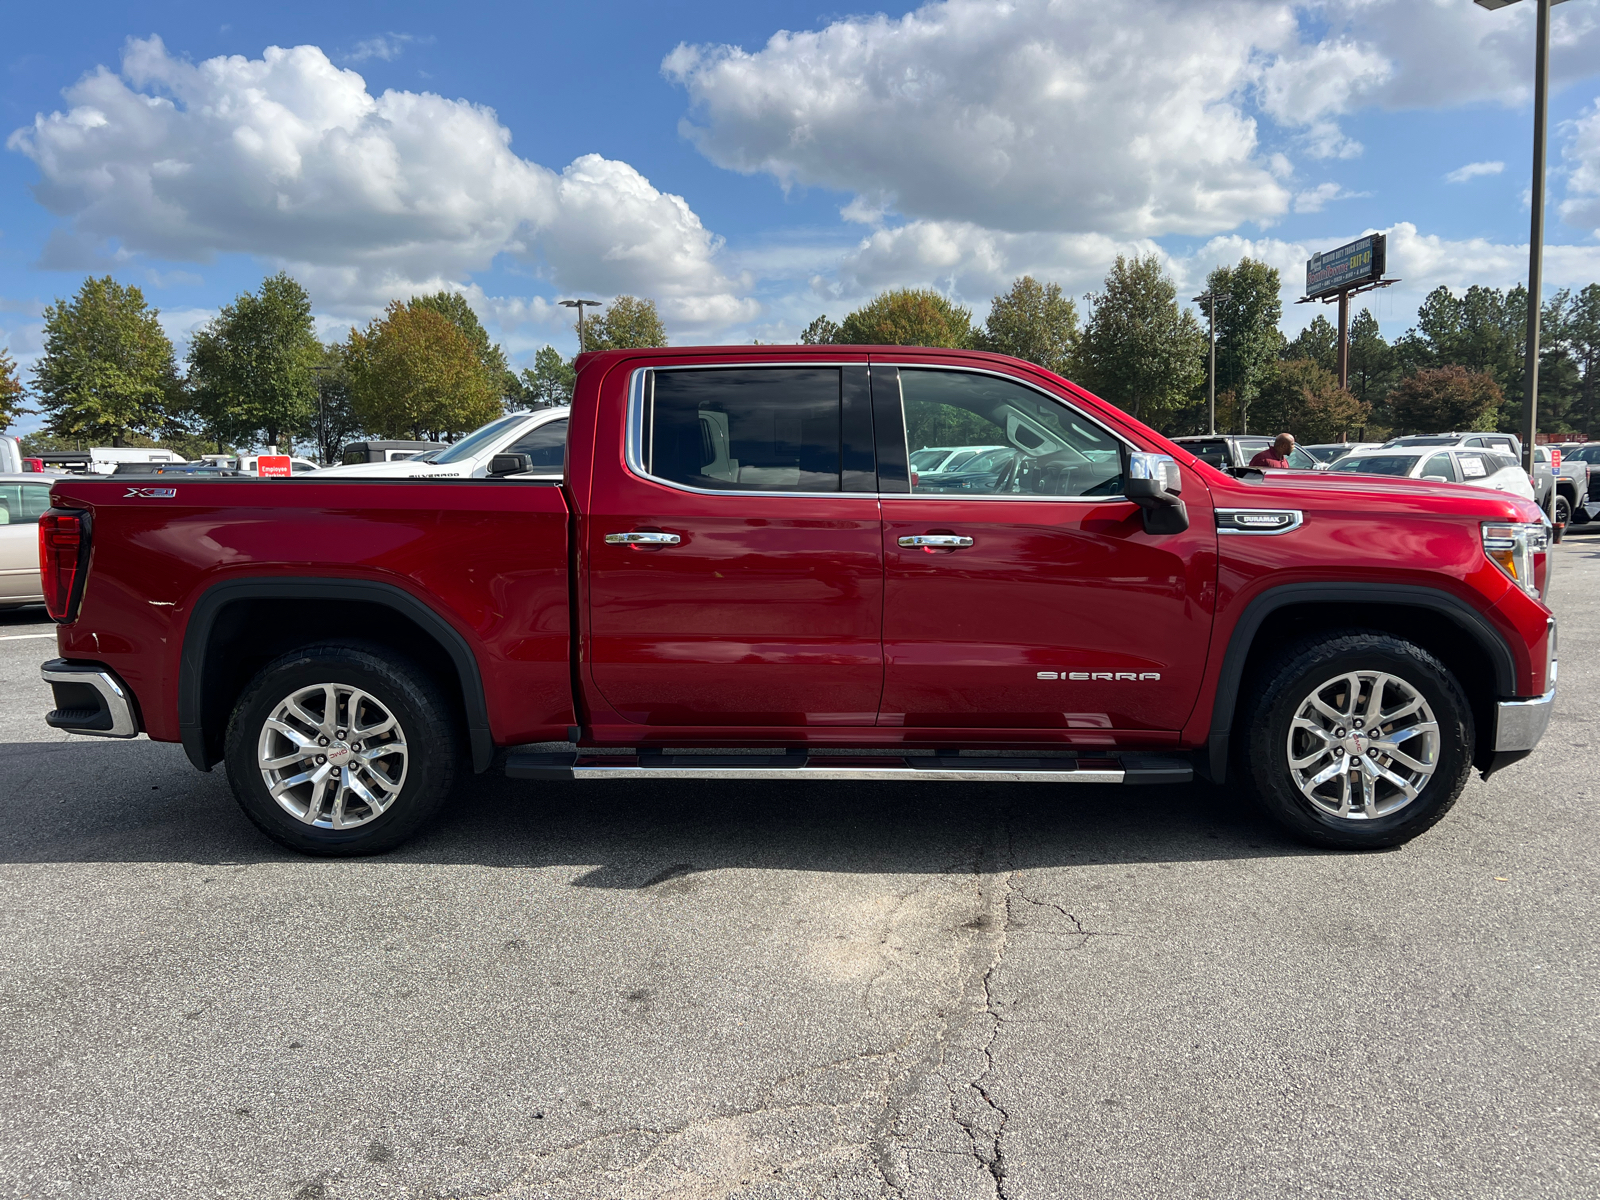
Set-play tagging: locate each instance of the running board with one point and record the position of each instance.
(1127, 768)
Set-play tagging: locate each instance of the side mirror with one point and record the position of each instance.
(1434, 479)
(508, 464)
(1154, 483)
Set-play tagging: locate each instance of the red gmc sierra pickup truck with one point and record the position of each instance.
(938, 565)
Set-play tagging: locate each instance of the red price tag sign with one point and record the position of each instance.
(273, 466)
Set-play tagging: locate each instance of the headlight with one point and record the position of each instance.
(1520, 550)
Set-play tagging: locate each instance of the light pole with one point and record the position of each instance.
(1209, 296)
(322, 416)
(578, 304)
(1541, 88)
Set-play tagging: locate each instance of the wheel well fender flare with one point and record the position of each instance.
(1242, 639)
(197, 639)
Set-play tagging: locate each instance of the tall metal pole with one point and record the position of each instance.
(1211, 387)
(1344, 341)
(1530, 373)
(578, 304)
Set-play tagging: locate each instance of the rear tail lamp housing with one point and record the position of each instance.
(1521, 550)
(64, 560)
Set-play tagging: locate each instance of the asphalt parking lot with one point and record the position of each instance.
(625, 990)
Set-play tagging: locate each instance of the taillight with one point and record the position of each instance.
(63, 560)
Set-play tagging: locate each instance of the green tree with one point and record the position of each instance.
(1373, 369)
(1318, 342)
(822, 332)
(1033, 321)
(413, 373)
(250, 366)
(10, 392)
(550, 380)
(1249, 307)
(1441, 399)
(1138, 349)
(1580, 333)
(1304, 398)
(628, 323)
(107, 368)
(908, 317)
(336, 421)
(453, 307)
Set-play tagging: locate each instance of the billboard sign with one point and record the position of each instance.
(1362, 261)
(273, 466)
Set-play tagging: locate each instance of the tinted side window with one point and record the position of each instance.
(546, 447)
(1024, 442)
(1215, 453)
(772, 429)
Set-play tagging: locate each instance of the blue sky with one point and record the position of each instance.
(751, 166)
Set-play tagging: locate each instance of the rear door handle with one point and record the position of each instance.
(943, 541)
(642, 539)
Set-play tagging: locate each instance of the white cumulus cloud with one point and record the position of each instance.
(365, 197)
(1474, 169)
(1107, 117)
(1133, 118)
(1582, 206)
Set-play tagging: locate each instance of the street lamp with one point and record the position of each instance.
(1541, 87)
(1209, 296)
(578, 304)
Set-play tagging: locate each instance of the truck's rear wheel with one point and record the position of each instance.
(334, 749)
(1359, 740)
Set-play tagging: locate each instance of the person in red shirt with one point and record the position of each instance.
(1277, 454)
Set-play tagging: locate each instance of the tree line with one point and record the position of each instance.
(426, 369)
(256, 373)
(1458, 368)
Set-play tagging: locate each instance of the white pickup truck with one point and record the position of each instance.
(539, 436)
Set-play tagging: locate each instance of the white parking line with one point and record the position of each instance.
(22, 637)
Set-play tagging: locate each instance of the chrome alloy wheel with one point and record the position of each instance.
(1363, 745)
(332, 756)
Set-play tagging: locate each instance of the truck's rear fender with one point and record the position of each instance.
(239, 625)
(1463, 639)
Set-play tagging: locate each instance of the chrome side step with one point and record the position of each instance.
(1123, 768)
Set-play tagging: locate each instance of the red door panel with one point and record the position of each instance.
(767, 612)
(1062, 614)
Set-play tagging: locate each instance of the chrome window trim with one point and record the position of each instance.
(633, 436)
(1299, 519)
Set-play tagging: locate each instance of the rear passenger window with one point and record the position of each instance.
(762, 429)
(1024, 443)
(546, 447)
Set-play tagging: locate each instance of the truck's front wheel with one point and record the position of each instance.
(335, 750)
(1357, 740)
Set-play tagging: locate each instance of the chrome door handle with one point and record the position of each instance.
(642, 539)
(947, 541)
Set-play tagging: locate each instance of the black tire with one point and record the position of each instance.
(1278, 693)
(430, 734)
(1562, 511)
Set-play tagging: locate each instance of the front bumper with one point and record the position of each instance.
(90, 699)
(1519, 724)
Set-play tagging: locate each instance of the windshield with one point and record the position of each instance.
(925, 460)
(1301, 461)
(1376, 464)
(1325, 453)
(478, 440)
